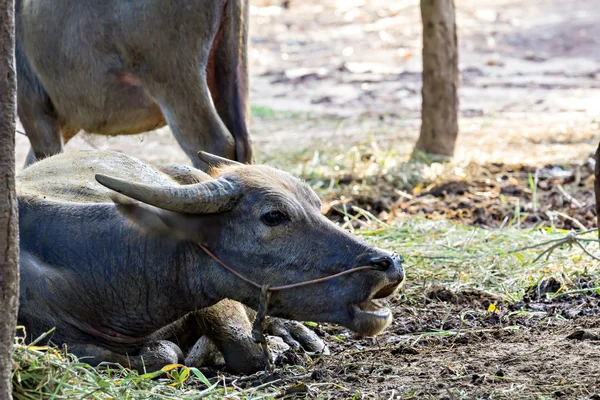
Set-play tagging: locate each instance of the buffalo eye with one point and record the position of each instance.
(274, 218)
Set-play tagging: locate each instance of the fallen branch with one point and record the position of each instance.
(571, 199)
(572, 238)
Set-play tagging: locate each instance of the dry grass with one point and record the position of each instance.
(42, 372)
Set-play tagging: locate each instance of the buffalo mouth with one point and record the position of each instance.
(369, 318)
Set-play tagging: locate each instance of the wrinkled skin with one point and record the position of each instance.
(117, 67)
(126, 281)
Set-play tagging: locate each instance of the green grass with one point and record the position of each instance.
(41, 372)
(262, 112)
(458, 256)
(47, 373)
(270, 114)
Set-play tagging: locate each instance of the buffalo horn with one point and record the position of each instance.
(207, 197)
(213, 160)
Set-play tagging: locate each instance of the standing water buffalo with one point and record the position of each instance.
(118, 67)
(123, 276)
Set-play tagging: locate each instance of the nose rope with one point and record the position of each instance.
(290, 286)
(258, 328)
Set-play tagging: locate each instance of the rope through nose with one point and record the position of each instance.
(292, 285)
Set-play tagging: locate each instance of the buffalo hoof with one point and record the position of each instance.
(240, 355)
(248, 360)
(156, 355)
(296, 335)
(204, 353)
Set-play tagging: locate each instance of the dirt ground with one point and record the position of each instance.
(528, 75)
(488, 195)
(452, 345)
(329, 75)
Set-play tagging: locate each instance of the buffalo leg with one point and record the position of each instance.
(176, 78)
(227, 73)
(37, 115)
(597, 187)
(44, 137)
(227, 326)
(151, 357)
(194, 121)
(293, 333)
(36, 111)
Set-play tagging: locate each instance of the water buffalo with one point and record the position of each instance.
(118, 67)
(122, 276)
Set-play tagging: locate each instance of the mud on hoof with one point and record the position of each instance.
(156, 355)
(296, 335)
(290, 357)
(239, 356)
(204, 352)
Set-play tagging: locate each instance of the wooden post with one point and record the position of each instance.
(597, 187)
(9, 235)
(439, 113)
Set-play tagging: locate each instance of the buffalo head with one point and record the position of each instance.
(268, 226)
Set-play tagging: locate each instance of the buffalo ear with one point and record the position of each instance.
(156, 221)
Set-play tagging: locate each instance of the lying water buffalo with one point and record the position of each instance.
(123, 67)
(122, 280)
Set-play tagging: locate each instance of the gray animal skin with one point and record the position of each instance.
(116, 67)
(123, 278)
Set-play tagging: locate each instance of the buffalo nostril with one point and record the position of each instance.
(383, 262)
(390, 263)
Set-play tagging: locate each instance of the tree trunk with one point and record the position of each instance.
(597, 187)
(439, 113)
(9, 228)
